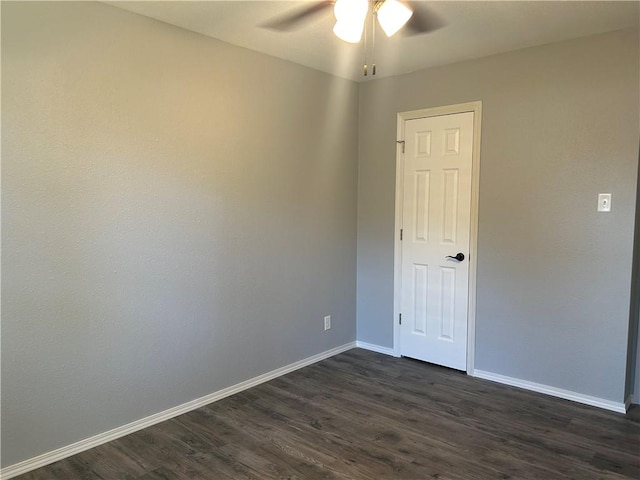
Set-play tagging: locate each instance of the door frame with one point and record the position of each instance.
(402, 117)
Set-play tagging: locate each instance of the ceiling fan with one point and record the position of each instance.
(351, 19)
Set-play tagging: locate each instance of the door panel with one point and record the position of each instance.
(436, 216)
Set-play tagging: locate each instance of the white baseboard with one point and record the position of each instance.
(553, 391)
(376, 348)
(69, 450)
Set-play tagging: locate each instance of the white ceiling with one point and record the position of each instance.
(473, 29)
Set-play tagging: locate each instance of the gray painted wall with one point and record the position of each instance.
(178, 214)
(560, 124)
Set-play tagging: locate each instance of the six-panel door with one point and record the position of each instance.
(436, 223)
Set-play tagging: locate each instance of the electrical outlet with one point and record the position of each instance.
(327, 322)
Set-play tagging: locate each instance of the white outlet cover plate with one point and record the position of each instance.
(604, 202)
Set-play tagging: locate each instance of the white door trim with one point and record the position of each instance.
(476, 108)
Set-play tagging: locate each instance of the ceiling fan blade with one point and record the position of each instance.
(298, 18)
(423, 20)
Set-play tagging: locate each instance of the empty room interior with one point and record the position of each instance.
(241, 241)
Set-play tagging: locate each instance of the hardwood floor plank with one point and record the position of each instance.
(362, 415)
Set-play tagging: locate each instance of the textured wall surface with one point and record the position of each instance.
(178, 215)
(560, 125)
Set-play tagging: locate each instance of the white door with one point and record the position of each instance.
(436, 216)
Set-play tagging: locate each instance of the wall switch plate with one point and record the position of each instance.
(327, 322)
(604, 202)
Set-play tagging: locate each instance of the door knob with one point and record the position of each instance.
(459, 256)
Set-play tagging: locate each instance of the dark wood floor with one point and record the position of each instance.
(361, 415)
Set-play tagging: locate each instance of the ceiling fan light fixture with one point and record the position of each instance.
(351, 9)
(350, 16)
(348, 31)
(392, 15)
